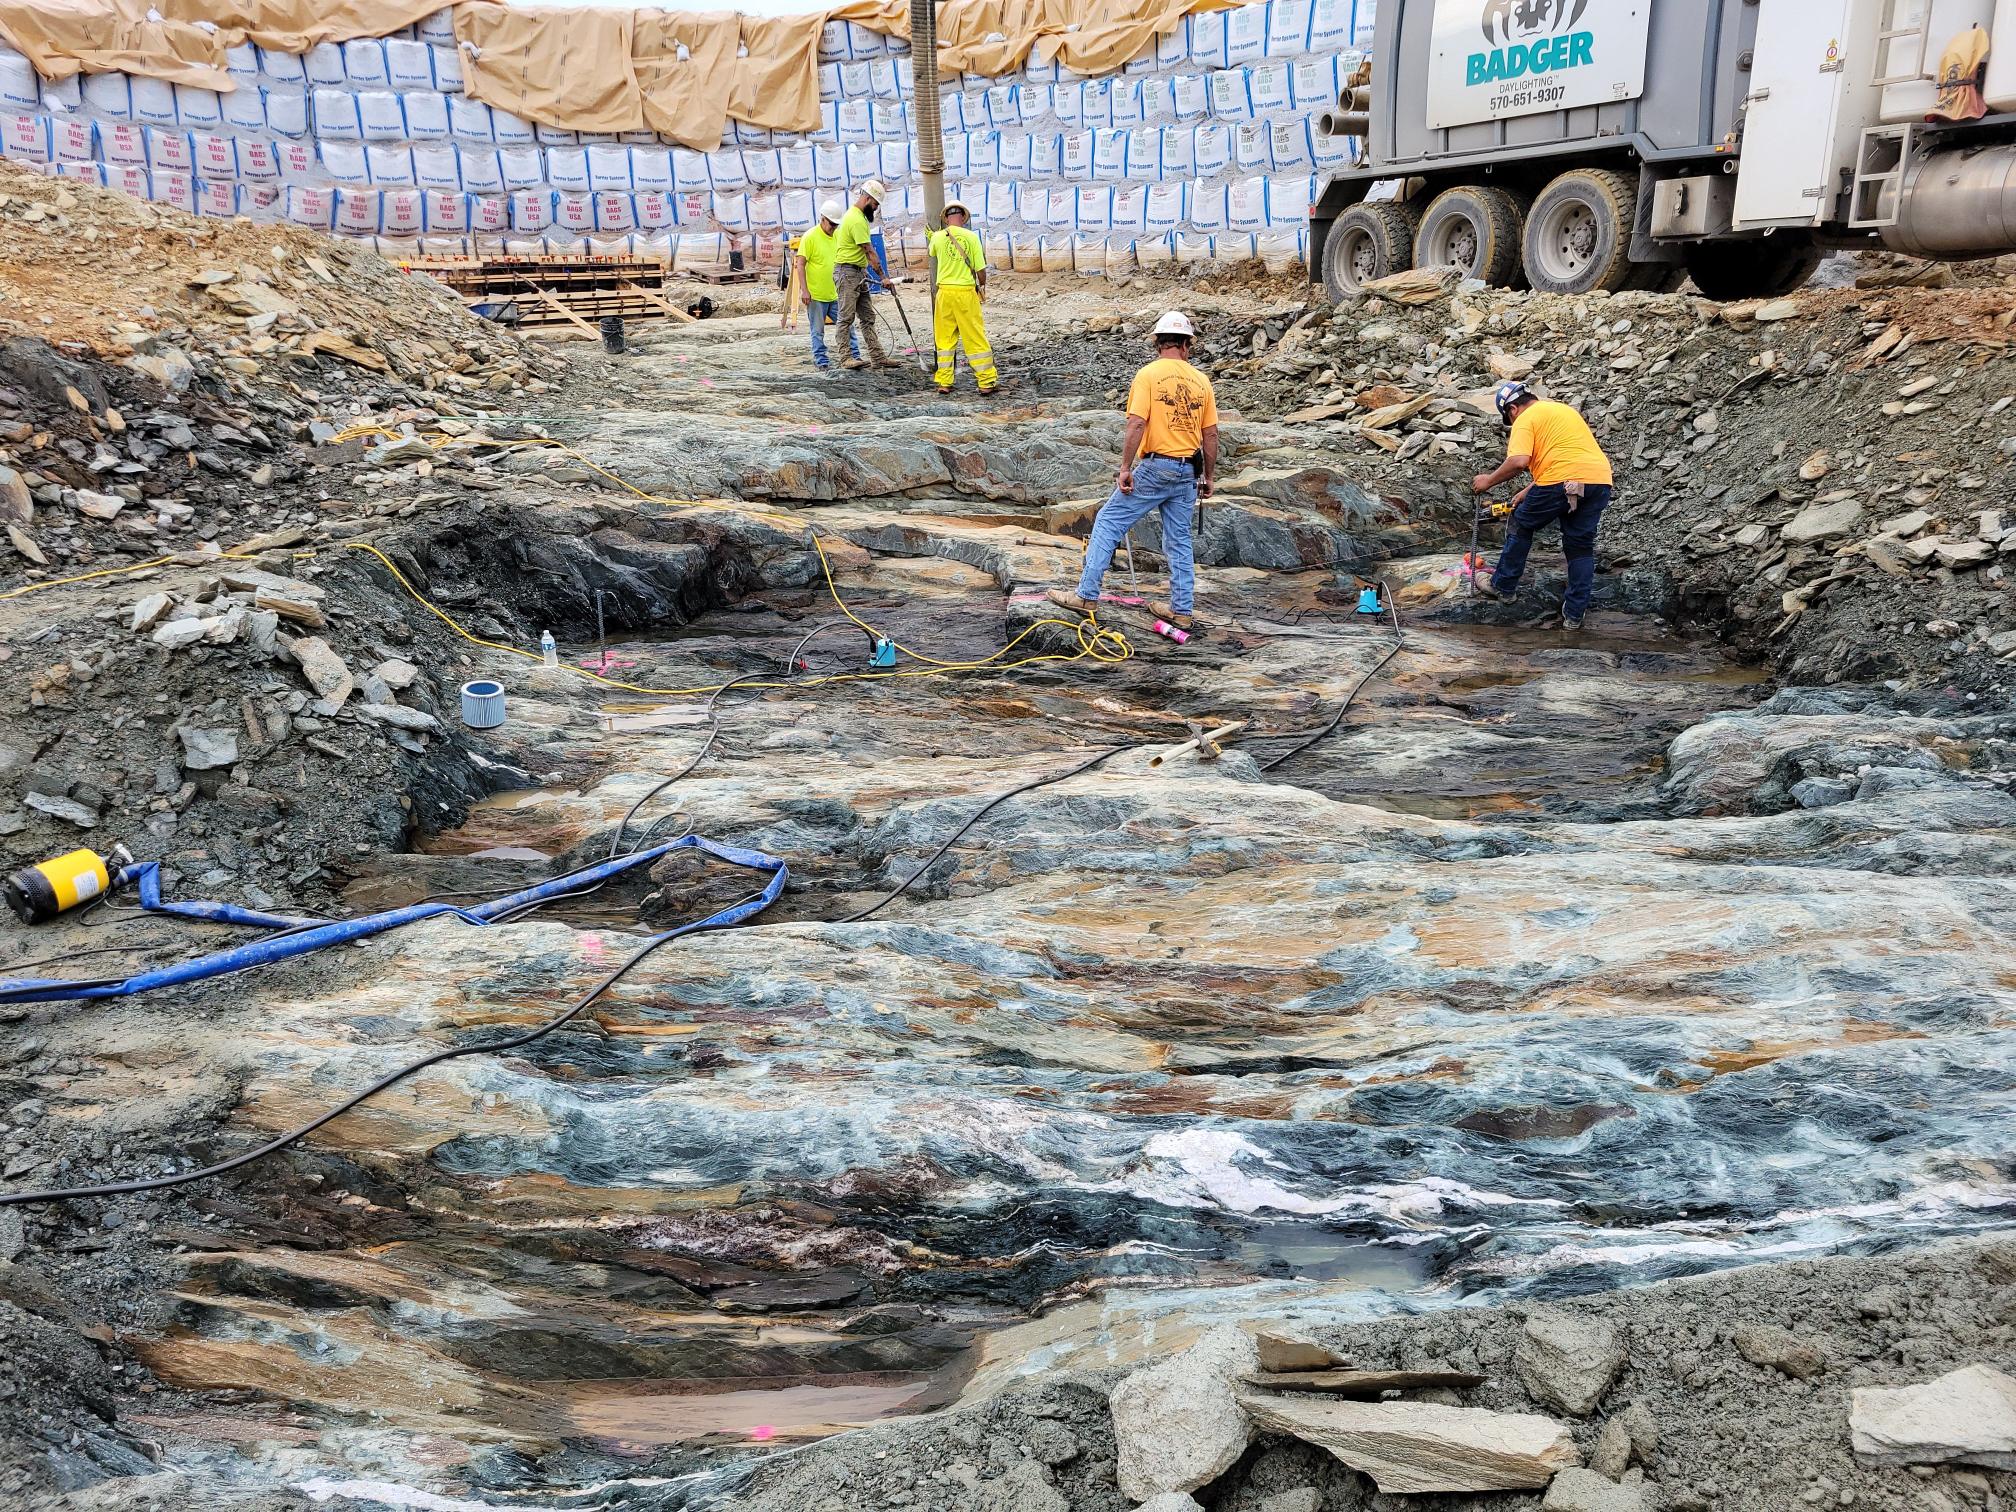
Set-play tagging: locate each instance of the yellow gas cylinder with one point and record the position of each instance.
(40, 892)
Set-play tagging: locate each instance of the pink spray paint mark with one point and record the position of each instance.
(613, 663)
(591, 947)
(762, 1433)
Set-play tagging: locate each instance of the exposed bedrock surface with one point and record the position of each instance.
(1562, 963)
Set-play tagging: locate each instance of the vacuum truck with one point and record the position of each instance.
(1576, 145)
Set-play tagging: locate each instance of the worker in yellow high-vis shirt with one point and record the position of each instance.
(958, 284)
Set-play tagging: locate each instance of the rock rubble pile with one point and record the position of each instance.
(158, 369)
(1822, 478)
(1823, 1384)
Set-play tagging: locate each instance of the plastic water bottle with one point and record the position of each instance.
(547, 649)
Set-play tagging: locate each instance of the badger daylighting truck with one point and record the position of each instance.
(1577, 145)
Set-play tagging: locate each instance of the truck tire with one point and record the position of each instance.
(1368, 242)
(1578, 233)
(1753, 269)
(1476, 228)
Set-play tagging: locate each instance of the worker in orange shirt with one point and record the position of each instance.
(1572, 484)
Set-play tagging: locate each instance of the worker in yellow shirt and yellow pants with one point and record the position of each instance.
(958, 284)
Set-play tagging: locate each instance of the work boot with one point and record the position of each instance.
(1486, 589)
(1065, 598)
(1163, 611)
(853, 364)
(890, 362)
(1571, 622)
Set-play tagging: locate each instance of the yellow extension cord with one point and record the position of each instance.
(1096, 642)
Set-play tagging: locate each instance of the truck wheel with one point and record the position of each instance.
(1368, 242)
(1753, 269)
(1578, 235)
(1473, 227)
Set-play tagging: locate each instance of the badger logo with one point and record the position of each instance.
(1509, 20)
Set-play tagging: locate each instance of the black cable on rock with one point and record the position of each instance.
(1399, 645)
(390, 1079)
(978, 814)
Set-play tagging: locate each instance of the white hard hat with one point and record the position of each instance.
(959, 205)
(832, 210)
(874, 189)
(1175, 323)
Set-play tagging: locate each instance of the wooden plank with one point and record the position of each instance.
(653, 300)
(554, 300)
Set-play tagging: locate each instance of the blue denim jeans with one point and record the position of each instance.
(1159, 483)
(819, 313)
(1543, 507)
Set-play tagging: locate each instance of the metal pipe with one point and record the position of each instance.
(1355, 99)
(930, 140)
(1335, 123)
(1957, 204)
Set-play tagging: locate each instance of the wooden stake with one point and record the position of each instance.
(554, 300)
(652, 299)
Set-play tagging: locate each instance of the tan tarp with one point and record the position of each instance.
(159, 39)
(589, 69)
(686, 98)
(567, 67)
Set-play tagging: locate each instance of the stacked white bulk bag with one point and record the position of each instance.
(388, 166)
(1128, 210)
(25, 138)
(437, 166)
(198, 109)
(1144, 153)
(153, 101)
(1093, 210)
(1288, 198)
(107, 96)
(1167, 151)
(311, 206)
(402, 212)
(213, 157)
(1109, 154)
(258, 162)
(287, 114)
(427, 117)
(445, 211)
(1282, 251)
(1246, 204)
(20, 89)
(1245, 35)
(1164, 207)
(1212, 147)
(1253, 147)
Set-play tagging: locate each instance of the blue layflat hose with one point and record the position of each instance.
(300, 937)
(311, 939)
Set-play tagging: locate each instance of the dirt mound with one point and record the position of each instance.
(157, 366)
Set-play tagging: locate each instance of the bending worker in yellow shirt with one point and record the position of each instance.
(1571, 484)
(958, 284)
